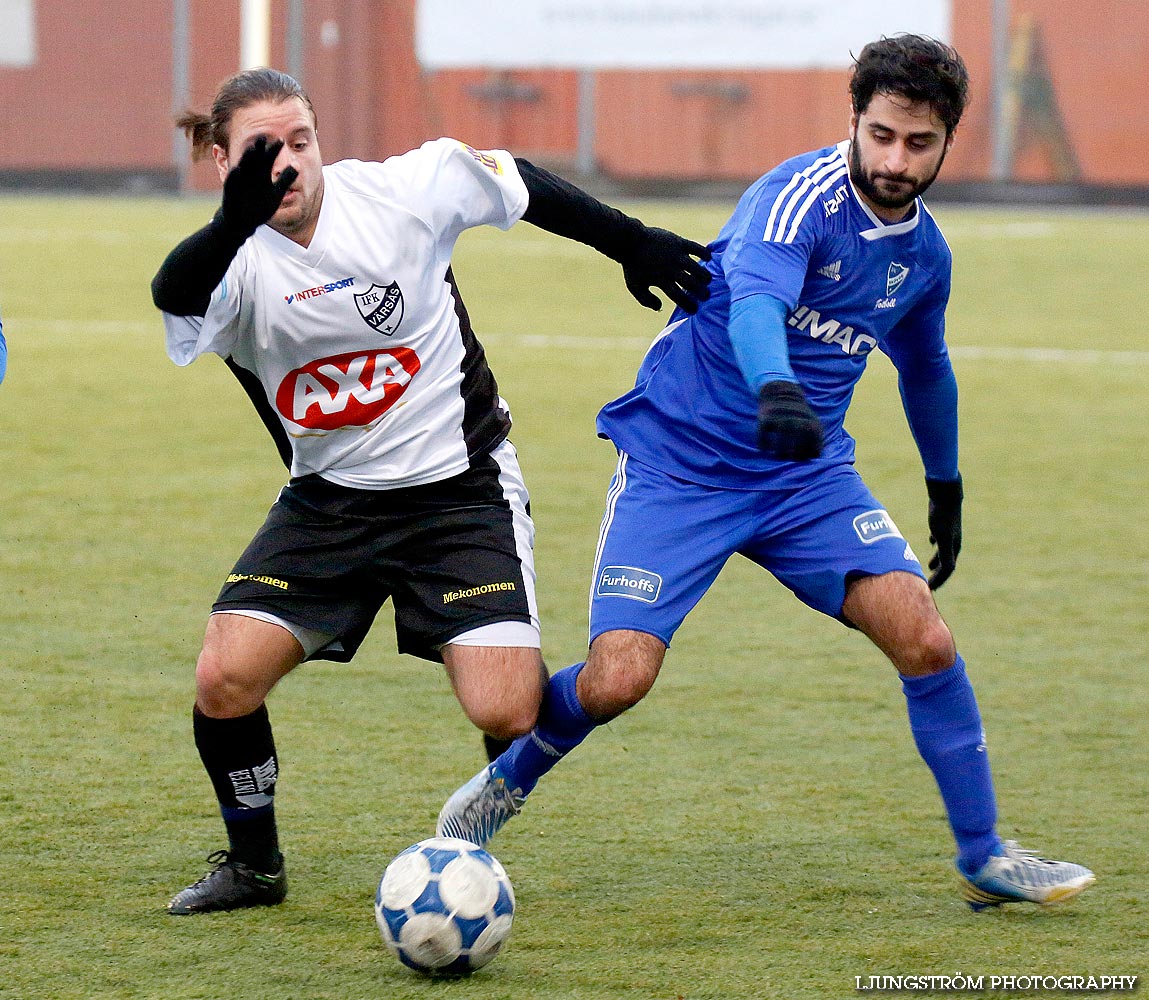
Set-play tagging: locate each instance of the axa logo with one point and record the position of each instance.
(310, 293)
(831, 331)
(381, 307)
(348, 390)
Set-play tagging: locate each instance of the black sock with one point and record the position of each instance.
(239, 756)
(495, 746)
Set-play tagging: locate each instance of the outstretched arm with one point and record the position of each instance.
(186, 279)
(650, 257)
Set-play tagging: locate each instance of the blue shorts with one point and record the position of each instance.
(664, 540)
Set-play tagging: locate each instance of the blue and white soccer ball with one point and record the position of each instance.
(445, 906)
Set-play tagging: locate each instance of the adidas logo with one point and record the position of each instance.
(832, 271)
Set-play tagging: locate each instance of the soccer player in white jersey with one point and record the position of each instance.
(732, 441)
(328, 291)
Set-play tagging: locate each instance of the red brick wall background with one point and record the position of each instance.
(99, 98)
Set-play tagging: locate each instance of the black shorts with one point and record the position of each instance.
(452, 555)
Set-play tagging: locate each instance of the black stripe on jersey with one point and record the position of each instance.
(254, 389)
(485, 424)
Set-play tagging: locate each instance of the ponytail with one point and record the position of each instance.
(236, 92)
(198, 128)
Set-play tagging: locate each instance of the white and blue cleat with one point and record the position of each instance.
(480, 808)
(1019, 876)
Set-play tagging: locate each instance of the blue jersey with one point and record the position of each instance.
(851, 282)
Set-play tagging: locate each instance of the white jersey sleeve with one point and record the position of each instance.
(216, 331)
(452, 186)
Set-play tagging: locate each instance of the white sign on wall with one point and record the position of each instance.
(664, 34)
(17, 32)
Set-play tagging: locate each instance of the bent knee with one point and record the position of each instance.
(241, 661)
(505, 722)
(621, 690)
(929, 651)
(620, 672)
(225, 691)
(220, 691)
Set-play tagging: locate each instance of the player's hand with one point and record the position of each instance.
(250, 197)
(787, 428)
(945, 527)
(665, 260)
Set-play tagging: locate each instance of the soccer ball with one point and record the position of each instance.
(445, 906)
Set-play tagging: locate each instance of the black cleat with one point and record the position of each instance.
(231, 885)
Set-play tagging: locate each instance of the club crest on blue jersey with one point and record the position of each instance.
(875, 525)
(896, 277)
(628, 581)
(381, 308)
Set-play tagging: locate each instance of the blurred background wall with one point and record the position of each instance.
(88, 89)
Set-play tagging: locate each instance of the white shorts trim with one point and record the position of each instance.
(515, 491)
(311, 641)
(500, 634)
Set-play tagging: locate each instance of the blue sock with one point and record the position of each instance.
(562, 726)
(948, 732)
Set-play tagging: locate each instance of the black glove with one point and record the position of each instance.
(666, 261)
(945, 527)
(250, 197)
(787, 428)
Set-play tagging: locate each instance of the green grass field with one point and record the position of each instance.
(760, 826)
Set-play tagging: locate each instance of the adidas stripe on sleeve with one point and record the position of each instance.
(782, 219)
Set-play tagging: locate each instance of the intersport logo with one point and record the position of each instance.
(348, 390)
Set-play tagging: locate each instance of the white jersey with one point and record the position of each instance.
(356, 339)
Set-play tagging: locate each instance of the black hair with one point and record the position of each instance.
(915, 67)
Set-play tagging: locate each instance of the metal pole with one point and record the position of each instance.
(254, 33)
(1002, 166)
(585, 153)
(294, 46)
(181, 85)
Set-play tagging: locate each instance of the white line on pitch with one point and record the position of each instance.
(961, 351)
(964, 352)
(1061, 355)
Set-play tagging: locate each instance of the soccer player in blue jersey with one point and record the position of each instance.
(3, 353)
(732, 442)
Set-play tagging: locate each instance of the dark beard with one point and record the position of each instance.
(864, 184)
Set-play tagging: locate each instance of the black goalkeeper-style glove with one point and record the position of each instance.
(250, 197)
(650, 258)
(185, 280)
(664, 260)
(787, 428)
(945, 527)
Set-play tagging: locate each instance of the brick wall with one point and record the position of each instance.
(99, 97)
